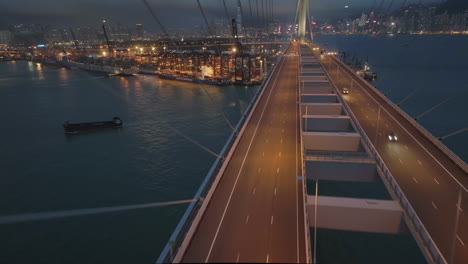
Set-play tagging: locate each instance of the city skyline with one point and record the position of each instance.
(66, 13)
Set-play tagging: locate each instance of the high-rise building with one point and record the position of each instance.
(139, 31)
(239, 18)
(5, 37)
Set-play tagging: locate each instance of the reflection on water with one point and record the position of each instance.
(42, 169)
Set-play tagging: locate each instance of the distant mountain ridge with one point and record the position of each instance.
(453, 6)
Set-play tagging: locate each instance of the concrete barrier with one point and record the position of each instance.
(335, 141)
(318, 98)
(316, 88)
(322, 109)
(342, 171)
(353, 214)
(339, 123)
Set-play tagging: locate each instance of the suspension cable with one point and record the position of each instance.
(193, 141)
(13, 219)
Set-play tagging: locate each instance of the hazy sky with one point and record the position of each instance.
(176, 13)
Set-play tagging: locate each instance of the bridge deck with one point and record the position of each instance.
(256, 213)
(426, 175)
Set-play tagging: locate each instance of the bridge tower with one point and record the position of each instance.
(302, 8)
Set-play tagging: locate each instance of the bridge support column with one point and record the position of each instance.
(303, 5)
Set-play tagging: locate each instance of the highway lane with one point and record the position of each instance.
(427, 183)
(256, 213)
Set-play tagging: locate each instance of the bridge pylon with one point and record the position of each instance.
(303, 6)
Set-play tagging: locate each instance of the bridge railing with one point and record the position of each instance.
(430, 249)
(182, 229)
(309, 254)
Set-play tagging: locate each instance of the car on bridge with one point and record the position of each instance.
(391, 136)
(345, 91)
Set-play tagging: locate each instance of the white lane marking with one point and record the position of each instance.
(271, 222)
(237, 260)
(406, 147)
(433, 204)
(459, 239)
(281, 141)
(275, 191)
(259, 169)
(247, 219)
(415, 180)
(280, 154)
(242, 166)
(436, 181)
(420, 163)
(254, 190)
(400, 160)
(268, 258)
(263, 154)
(277, 170)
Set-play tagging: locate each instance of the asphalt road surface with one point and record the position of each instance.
(426, 175)
(256, 212)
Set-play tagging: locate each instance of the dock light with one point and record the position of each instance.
(153, 49)
(234, 49)
(141, 49)
(104, 53)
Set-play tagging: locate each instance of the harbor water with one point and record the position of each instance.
(42, 169)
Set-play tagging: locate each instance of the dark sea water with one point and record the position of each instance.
(434, 66)
(42, 169)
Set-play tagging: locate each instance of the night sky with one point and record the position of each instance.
(173, 13)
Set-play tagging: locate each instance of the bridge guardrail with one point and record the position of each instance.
(304, 175)
(175, 241)
(416, 226)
